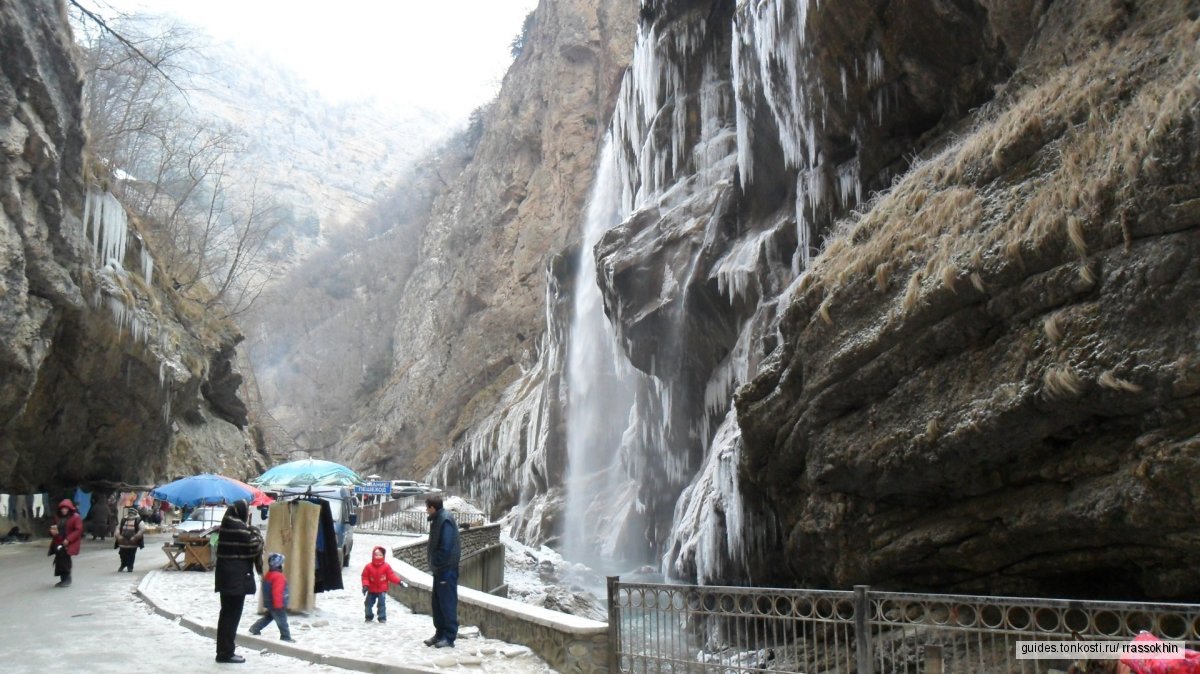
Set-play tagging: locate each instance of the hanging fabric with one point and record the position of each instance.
(4, 498)
(329, 556)
(292, 530)
(38, 504)
(83, 502)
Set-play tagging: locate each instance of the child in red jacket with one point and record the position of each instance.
(375, 578)
(275, 597)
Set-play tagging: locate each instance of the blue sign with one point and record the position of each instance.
(380, 487)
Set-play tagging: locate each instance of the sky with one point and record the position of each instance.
(446, 55)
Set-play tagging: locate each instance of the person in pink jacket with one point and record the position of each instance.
(66, 532)
(1133, 664)
(1188, 664)
(376, 576)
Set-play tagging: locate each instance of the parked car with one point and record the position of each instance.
(202, 518)
(406, 488)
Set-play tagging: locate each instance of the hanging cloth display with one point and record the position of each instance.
(83, 502)
(4, 498)
(329, 556)
(292, 530)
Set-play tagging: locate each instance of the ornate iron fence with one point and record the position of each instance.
(683, 628)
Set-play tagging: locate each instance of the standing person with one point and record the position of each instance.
(67, 534)
(99, 524)
(239, 554)
(444, 557)
(375, 578)
(130, 538)
(275, 598)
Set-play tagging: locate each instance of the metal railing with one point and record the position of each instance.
(685, 628)
(402, 515)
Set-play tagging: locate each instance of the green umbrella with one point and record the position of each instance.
(306, 472)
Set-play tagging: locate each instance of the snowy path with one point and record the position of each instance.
(86, 626)
(336, 627)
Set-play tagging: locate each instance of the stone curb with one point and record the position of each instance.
(273, 645)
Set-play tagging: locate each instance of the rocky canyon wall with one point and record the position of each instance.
(472, 319)
(988, 380)
(105, 375)
(904, 286)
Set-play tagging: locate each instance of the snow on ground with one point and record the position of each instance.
(337, 627)
(541, 577)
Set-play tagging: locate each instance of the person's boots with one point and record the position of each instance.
(65, 582)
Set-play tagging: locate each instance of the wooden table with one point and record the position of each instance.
(197, 553)
(174, 553)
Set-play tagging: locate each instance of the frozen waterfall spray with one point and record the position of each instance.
(600, 387)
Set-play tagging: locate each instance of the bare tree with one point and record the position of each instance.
(182, 173)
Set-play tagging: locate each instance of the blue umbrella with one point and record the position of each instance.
(306, 472)
(205, 489)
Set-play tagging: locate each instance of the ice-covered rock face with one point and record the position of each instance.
(743, 130)
(944, 385)
(99, 377)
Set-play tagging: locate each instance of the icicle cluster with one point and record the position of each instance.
(109, 227)
(507, 452)
(770, 56)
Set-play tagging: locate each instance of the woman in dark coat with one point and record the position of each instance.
(100, 517)
(239, 555)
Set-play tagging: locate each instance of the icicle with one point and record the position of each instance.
(147, 266)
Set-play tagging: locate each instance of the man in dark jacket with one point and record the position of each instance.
(239, 554)
(444, 555)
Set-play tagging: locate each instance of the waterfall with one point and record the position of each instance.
(718, 164)
(600, 387)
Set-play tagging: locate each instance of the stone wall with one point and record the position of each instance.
(567, 643)
(482, 565)
(472, 541)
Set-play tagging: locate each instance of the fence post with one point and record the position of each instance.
(862, 633)
(614, 625)
(933, 659)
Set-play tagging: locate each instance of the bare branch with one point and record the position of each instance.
(128, 45)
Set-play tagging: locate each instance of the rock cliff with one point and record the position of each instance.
(988, 380)
(904, 285)
(474, 308)
(105, 375)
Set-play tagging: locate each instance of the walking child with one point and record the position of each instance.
(375, 578)
(275, 597)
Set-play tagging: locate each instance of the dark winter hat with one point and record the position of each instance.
(275, 561)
